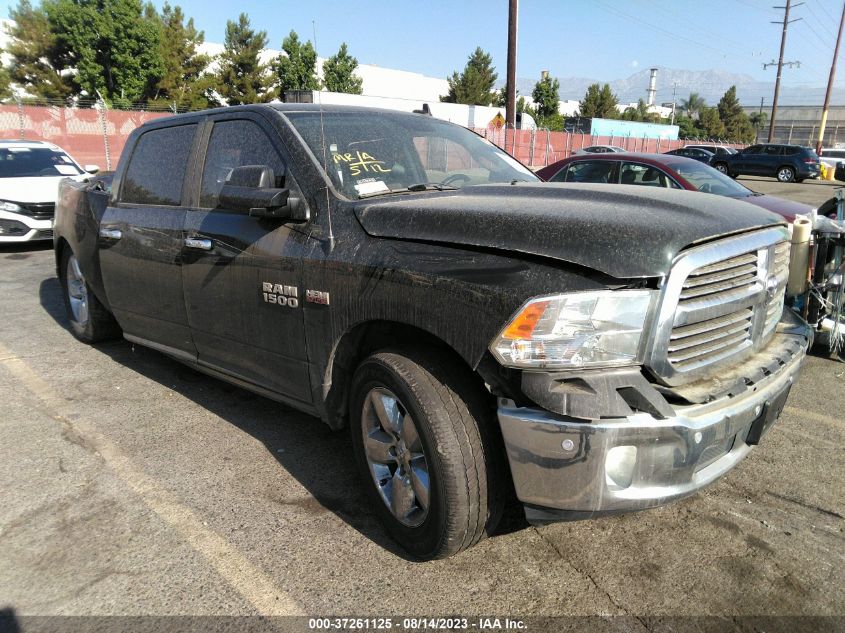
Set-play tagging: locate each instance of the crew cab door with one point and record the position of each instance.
(243, 274)
(140, 243)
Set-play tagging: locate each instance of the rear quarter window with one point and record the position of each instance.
(157, 166)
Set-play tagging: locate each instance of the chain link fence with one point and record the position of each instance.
(538, 148)
(97, 135)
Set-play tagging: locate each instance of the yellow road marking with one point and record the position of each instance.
(816, 417)
(244, 577)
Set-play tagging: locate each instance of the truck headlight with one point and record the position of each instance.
(583, 329)
(10, 206)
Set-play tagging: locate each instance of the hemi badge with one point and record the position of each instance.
(317, 296)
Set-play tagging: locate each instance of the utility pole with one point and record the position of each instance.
(786, 22)
(510, 104)
(826, 106)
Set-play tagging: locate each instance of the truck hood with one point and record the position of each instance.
(623, 231)
(34, 189)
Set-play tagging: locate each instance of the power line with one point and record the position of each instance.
(820, 22)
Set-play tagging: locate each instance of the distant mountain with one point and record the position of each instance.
(710, 84)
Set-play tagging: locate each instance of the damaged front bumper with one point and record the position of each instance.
(567, 468)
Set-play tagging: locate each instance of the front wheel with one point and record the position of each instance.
(90, 321)
(786, 174)
(420, 437)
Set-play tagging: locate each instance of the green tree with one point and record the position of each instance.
(113, 46)
(241, 77)
(295, 69)
(474, 86)
(5, 82)
(184, 81)
(687, 127)
(339, 73)
(710, 124)
(600, 102)
(639, 113)
(38, 57)
(736, 122)
(546, 95)
(500, 97)
(759, 121)
(693, 106)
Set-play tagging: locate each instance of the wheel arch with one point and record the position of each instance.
(58, 250)
(364, 339)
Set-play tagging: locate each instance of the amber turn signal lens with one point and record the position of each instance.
(523, 324)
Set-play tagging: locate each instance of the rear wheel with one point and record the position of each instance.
(90, 321)
(722, 167)
(786, 174)
(420, 437)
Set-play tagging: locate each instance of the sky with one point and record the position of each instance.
(601, 39)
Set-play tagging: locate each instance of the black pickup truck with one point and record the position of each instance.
(595, 349)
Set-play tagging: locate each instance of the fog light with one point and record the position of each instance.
(619, 466)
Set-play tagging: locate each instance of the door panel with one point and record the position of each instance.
(141, 239)
(243, 294)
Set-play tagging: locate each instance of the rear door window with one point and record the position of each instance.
(236, 143)
(157, 166)
(645, 175)
(588, 171)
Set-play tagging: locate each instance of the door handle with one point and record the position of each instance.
(111, 234)
(198, 243)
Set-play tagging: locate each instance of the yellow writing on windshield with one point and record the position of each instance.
(360, 162)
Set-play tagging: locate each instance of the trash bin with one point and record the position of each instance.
(840, 171)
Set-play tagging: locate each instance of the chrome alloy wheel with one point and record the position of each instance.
(785, 174)
(77, 291)
(395, 457)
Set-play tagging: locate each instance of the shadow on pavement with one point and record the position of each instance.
(319, 458)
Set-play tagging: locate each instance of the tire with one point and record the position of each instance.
(453, 449)
(785, 174)
(90, 321)
(722, 167)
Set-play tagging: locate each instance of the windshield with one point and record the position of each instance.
(374, 153)
(706, 179)
(24, 162)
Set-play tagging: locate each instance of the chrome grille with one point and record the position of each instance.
(721, 278)
(711, 339)
(721, 301)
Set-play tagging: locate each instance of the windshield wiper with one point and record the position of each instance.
(422, 186)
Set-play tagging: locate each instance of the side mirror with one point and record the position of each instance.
(250, 188)
(91, 169)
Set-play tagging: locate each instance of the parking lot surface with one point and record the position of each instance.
(134, 485)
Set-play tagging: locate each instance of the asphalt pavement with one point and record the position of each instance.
(132, 485)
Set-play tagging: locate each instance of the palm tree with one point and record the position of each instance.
(693, 105)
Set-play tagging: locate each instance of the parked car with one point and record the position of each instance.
(30, 172)
(701, 155)
(599, 149)
(718, 150)
(472, 326)
(787, 163)
(832, 157)
(664, 170)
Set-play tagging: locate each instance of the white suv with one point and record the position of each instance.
(833, 156)
(30, 172)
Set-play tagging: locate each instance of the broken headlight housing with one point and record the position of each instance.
(583, 329)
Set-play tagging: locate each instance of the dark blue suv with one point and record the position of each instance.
(787, 163)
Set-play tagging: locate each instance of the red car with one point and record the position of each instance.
(663, 170)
